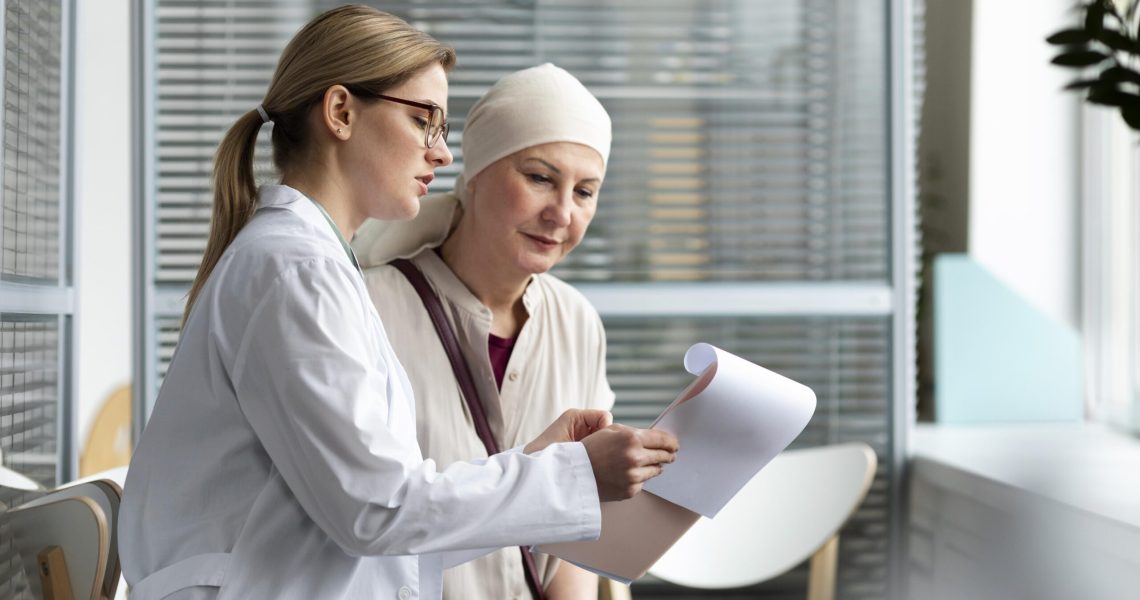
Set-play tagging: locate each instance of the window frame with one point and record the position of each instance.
(1110, 294)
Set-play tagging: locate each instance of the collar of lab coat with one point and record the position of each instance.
(283, 196)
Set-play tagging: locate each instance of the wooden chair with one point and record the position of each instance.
(609, 589)
(791, 511)
(66, 541)
(109, 440)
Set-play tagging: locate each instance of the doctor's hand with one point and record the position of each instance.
(571, 426)
(624, 458)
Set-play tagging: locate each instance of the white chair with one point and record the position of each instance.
(792, 510)
(66, 541)
(119, 476)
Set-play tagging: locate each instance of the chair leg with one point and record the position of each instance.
(821, 574)
(609, 589)
(55, 583)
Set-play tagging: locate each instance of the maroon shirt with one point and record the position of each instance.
(500, 351)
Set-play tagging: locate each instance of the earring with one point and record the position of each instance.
(338, 131)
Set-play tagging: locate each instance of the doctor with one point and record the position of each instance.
(280, 460)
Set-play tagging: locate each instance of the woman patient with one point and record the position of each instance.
(535, 148)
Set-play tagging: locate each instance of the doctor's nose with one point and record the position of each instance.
(439, 154)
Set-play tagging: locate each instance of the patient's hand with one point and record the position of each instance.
(572, 426)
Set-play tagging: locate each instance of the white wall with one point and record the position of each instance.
(1024, 154)
(102, 200)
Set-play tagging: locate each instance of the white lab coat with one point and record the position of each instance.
(280, 460)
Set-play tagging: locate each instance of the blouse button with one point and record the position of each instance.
(404, 593)
(514, 376)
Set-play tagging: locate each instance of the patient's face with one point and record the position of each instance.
(530, 209)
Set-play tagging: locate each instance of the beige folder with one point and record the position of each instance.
(635, 534)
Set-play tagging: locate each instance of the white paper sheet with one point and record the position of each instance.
(731, 421)
(729, 428)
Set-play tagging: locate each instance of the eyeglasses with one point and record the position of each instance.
(434, 128)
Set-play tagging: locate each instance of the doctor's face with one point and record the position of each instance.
(533, 207)
(389, 164)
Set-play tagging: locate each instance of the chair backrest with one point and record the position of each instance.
(80, 520)
(15, 489)
(109, 439)
(787, 512)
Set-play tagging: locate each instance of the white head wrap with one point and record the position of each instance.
(534, 106)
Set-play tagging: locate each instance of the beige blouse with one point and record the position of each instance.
(558, 362)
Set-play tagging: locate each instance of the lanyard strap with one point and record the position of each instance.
(339, 237)
(467, 385)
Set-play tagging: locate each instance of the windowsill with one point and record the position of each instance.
(1087, 466)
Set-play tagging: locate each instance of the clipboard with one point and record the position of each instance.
(731, 421)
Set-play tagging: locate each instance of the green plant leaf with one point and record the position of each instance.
(1116, 40)
(1094, 17)
(1131, 116)
(1069, 37)
(1119, 74)
(1104, 92)
(1080, 84)
(1113, 97)
(1079, 58)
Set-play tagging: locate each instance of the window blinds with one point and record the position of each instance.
(30, 371)
(34, 322)
(749, 138)
(31, 139)
(751, 150)
(31, 345)
(29, 396)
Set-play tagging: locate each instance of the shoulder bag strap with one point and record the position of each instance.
(466, 385)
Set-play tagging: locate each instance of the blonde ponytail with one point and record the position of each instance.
(352, 45)
(235, 196)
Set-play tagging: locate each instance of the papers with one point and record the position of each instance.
(728, 430)
(731, 421)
